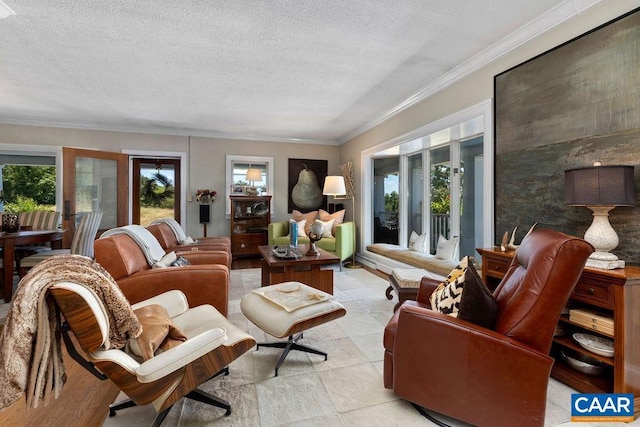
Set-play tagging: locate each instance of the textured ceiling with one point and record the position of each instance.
(303, 69)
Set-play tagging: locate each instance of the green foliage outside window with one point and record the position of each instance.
(157, 191)
(28, 188)
(391, 201)
(440, 195)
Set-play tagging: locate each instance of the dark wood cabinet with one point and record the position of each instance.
(615, 294)
(250, 218)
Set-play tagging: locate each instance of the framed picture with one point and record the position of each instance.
(237, 190)
(306, 179)
(567, 108)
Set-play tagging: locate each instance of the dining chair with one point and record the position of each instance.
(35, 220)
(82, 243)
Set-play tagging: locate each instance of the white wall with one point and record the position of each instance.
(205, 157)
(477, 86)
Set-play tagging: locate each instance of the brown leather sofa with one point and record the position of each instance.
(167, 238)
(488, 377)
(203, 282)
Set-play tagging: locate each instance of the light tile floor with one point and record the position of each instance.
(345, 390)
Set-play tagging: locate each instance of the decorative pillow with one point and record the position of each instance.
(180, 261)
(301, 229)
(158, 331)
(309, 217)
(187, 241)
(327, 227)
(419, 243)
(412, 239)
(464, 295)
(166, 261)
(338, 218)
(447, 249)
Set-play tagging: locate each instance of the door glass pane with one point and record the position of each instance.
(471, 183)
(385, 200)
(440, 191)
(96, 186)
(415, 193)
(157, 191)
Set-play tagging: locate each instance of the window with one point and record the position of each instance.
(237, 167)
(443, 175)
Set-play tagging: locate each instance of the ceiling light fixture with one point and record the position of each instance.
(5, 10)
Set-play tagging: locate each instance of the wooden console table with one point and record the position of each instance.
(616, 293)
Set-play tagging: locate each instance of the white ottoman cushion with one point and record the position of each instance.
(410, 277)
(274, 319)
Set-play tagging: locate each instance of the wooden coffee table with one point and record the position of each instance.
(305, 269)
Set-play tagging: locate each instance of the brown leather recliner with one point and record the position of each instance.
(169, 242)
(202, 283)
(488, 377)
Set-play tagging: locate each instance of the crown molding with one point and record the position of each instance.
(165, 131)
(543, 23)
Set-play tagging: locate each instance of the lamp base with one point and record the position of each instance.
(604, 239)
(605, 265)
(352, 265)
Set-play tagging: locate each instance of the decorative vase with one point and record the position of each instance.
(205, 199)
(10, 223)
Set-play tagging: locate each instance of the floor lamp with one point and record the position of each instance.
(335, 186)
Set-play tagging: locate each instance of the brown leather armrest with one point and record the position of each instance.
(427, 286)
(207, 257)
(202, 284)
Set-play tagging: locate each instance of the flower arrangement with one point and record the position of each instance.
(206, 195)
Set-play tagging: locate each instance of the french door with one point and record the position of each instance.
(155, 191)
(94, 180)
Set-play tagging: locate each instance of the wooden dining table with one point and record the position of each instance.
(9, 241)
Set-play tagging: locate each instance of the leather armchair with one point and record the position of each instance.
(219, 246)
(202, 283)
(488, 377)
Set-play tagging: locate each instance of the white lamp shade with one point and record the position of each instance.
(253, 174)
(334, 186)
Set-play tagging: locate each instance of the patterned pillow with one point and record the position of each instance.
(464, 295)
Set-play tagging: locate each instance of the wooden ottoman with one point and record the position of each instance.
(406, 282)
(287, 309)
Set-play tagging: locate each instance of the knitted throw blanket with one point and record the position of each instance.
(30, 352)
(146, 241)
(175, 227)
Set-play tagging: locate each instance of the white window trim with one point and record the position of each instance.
(159, 155)
(484, 109)
(231, 159)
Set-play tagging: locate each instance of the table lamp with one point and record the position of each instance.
(600, 188)
(253, 175)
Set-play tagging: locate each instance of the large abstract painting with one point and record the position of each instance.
(306, 180)
(570, 107)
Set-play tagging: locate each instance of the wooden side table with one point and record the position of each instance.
(616, 294)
